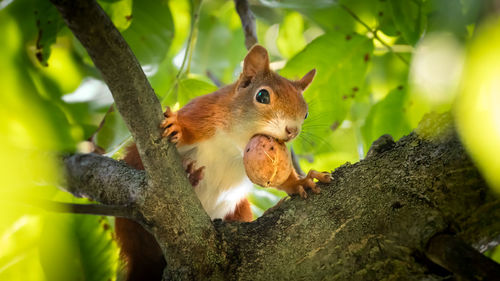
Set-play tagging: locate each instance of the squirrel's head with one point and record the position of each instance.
(273, 104)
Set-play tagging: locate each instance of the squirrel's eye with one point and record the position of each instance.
(263, 96)
(307, 114)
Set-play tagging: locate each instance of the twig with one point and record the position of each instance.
(374, 32)
(193, 32)
(295, 162)
(214, 79)
(461, 259)
(95, 148)
(101, 124)
(90, 209)
(247, 22)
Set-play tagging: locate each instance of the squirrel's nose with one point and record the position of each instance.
(291, 132)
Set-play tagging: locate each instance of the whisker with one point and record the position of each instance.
(312, 137)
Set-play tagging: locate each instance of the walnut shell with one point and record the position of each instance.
(267, 161)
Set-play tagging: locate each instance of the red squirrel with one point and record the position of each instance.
(210, 133)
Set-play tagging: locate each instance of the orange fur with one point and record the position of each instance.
(143, 256)
(243, 212)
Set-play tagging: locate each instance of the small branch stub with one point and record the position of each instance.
(461, 259)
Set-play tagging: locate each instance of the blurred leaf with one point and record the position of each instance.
(297, 4)
(163, 81)
(291, 38)
(388, 72)
(119, 11)
(408, 18)
(448, 16)
(341, 62)
(113, 133)
(334, 149)
(269, 16)
(151, 31)
(343, 15)
(48, 23)
(181, 12)
(191, 87)
(83, 244)
(477, 111)
(31, 131)
(19, 244)
(387, 117)
(264, 198)
(220, 41)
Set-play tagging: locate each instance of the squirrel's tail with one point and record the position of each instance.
(138, 247)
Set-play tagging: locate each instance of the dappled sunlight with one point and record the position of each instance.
(436, 68)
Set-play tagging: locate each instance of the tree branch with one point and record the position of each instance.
(464, 261)
(168, 204)
(103, 179)
(247, 22)
(88, 209)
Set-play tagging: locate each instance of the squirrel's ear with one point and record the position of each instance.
(257, 60)
(306, 80)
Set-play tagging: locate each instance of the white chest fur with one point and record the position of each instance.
(224, 181)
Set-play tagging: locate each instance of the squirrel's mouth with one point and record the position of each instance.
(279, 138)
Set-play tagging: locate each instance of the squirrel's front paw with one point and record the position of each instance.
(172, 130)
(299, 186)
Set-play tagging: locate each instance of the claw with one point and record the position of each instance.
(299, 185)
(172, 130)
(324, 177)
(302, 192)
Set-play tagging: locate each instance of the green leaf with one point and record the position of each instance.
(450, 16)
(408, 18)
(264, 198)
(191, 88)
(341, 62)
(220, 41)
(291, 38)
(48, 23)
(151, 31)
(119, 11)
(387, 117)
(298, 4)
(78, 247)
(113, 133)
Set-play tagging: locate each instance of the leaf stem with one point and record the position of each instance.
(374, 32)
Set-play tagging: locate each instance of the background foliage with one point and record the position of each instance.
(381, 66)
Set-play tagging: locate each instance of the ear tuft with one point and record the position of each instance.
(257, 60)
(306, 80)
